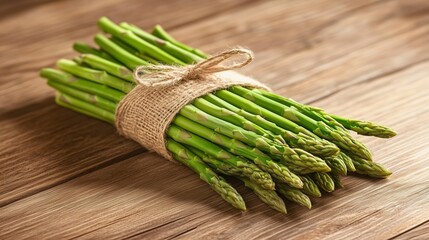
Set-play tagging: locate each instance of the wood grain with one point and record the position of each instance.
(33, 95)
(416, 233)
(124, 199)
(63, 175)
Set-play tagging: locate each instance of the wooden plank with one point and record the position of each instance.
(307, 50)
(419, 232)
(128, 200)
(56, 130)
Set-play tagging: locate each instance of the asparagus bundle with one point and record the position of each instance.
(271, 143)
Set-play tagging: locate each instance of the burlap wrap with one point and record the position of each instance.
(145, 113)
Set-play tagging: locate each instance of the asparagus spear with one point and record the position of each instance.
(369, 168)
(81, 84)
(269, 197)
(288, 155)
(361, 127)
(310, 188)
(110, 67)
(249, 170)
(132, 50)
(348, 162)
(218, 184)
(232, 117)
(158, 31)
(235, 166)
(337, 180)
(294, 195)
(118, 53)
(86, 97)
(86, 108)
(324, 181)
(85, 48)
(318, 147)
(94, 75)
(337, 165)
(278, 171)
(309, 111)
(338, 136)
(141, 45)
(181, 54)
(249, 106)
(222, 166)
(365, 127)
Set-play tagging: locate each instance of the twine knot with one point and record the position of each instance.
(167, 75)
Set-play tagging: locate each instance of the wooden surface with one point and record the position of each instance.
(64, 175)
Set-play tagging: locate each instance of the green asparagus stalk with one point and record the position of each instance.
(85, 48)
(126, 58)
(59, 99)
(294, 195)
(110, 67)
(339, 137)
(337, 180)
(249, 170)
(234, 118)
(81, 84)
(87, 108)
(218, 184)
(269, 197)
(337, 164)
(132, 50)
(86, 97)
(347, 161)
(324, 181)
(277, 170)
(221, 166)
(158, 31)
(234, 166)
(94, 75)
(312, 112)
(288, 155)
(365, 127)
(249, 106)
(310, 188)
(318, 147)
(361, 127)
(369, 168)
(181, 54)
(138, 43)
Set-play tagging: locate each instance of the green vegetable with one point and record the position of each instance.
(324, 181)
(359, 126)
(249, 170)
(251, 134)
(217, 183)
(269, 197)
(294, 195)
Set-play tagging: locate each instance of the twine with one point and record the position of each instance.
(166, 75)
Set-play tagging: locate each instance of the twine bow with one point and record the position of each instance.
(167, 75)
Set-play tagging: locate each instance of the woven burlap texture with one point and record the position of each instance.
(145, 113)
